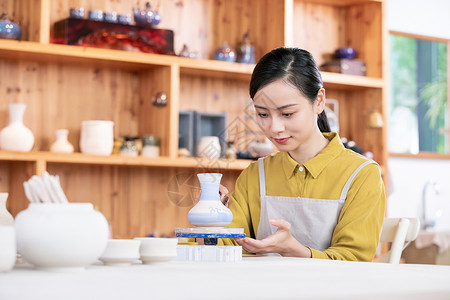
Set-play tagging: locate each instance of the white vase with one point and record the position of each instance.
(62, 144)
(209, 147)
(210, 211)
(6, 219)
(7, 248)
(61, 236)
(15, 136)
(97, 137)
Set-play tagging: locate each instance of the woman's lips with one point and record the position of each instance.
(281, 141)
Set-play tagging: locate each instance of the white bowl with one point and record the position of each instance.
(154, 250)
(120, 252)
(61, 236)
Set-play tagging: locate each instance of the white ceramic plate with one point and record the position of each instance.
(118, 261)
(156, 259)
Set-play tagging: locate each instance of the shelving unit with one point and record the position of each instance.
(64, 85)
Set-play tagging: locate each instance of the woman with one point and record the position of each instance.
(314, 198)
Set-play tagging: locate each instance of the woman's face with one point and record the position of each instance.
(286, 116)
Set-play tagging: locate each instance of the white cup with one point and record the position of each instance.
(7, 248)
(97, 137)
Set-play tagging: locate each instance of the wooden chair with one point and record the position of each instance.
(398, 231)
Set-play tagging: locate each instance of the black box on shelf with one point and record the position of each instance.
(210, 124)
(186, 130)
(345, 66)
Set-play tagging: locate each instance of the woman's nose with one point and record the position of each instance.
(277, 125)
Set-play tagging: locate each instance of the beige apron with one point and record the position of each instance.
(312, 220)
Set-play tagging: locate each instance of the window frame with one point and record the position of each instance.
(427, 154)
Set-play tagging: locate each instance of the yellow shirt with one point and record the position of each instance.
(357, 232)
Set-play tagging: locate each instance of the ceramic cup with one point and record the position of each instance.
(121, 252)
(61, 236)
(7, 248)
(156, 250)
(97, 137)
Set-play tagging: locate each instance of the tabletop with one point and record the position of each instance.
(264, 277)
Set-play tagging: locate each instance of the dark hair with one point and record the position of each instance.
(295, 65)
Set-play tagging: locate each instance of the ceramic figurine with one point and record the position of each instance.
(210, 211)
(225, 53)
(62, 144)
(245, 51)
(8, 29)
(16, 137)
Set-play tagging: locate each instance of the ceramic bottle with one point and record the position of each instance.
(62, 144)
(6, 219)
(8, 29)
(210, 211)
(16, 137)
(7, 248)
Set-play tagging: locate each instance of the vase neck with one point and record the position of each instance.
(16, 111)
(209, 184)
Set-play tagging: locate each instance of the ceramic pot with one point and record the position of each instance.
(68, 236)
(16, 137)
(97, 137)
(210, 211)
(225, 53)
(8, 29)
(7, 248)
(6, 219)
(146, 16)
(157, 250)
(150, 146)
(62, 144)
(261, 149)
(209, 147)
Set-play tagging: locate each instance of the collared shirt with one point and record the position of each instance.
(357, 232)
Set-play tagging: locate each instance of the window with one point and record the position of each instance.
(418, 112)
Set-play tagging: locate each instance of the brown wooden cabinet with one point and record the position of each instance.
(64, 85)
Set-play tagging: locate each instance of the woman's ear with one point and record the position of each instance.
(319, 104)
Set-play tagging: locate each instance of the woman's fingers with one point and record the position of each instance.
(223, 192)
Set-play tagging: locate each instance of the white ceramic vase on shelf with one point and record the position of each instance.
(209, 147)
(16, 137)
(62, 144)
(97, 137)
(6, 219)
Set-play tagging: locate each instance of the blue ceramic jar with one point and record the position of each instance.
(8, 29)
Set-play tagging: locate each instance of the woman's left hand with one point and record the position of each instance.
(281, 242)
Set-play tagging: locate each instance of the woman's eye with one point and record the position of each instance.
(262, 115)
(287, 115)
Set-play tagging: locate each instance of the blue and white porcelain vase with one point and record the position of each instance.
(210, 211)
(8, 29)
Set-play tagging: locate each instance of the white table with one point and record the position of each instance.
(253, 278)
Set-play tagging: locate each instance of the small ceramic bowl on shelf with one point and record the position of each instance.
(157, 250)
(120, 252)
(347, 53)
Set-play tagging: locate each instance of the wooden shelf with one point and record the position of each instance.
(421, 155)
(342, 2)
(22, 50)
(79, 158)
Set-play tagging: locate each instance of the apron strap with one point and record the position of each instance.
(349, 181)
(262, 177)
